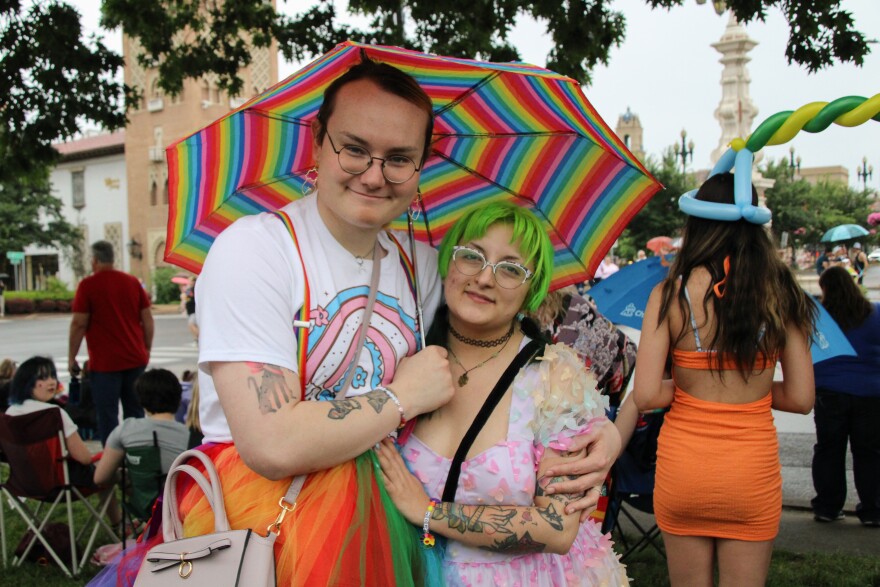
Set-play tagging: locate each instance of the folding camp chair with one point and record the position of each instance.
(632, 486)
(39, 471)
(142, 482)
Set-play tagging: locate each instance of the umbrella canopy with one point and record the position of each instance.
(501, 132)
(623, 297)
(844, 232)
(659, 243)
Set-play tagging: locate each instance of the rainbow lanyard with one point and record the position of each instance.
(409, 270)
(302, 315)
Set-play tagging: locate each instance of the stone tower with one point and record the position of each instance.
(160, 120)
(629, 129)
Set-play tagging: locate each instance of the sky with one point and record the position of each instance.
(668, 74)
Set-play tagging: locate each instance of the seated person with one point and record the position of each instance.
(33, 387)
(158, 391)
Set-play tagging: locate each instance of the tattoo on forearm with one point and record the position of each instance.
(271, 389)
(514, 544)
(544, 482)
(377, 399)
(340, 408)
(499, 522)
(551, 516)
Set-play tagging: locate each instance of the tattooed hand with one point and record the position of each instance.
(272, 391)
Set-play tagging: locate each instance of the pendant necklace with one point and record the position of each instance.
(463, 378)
(360, 259)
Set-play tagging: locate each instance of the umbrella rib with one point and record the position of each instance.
(534, 208)
(544, 133)
(471, 90)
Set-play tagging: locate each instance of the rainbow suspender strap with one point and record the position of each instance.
(302, 315)
(410, 271)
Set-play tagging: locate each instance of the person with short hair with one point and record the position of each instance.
(112, 312)
(859, 262)
(34, 386)
(158, 391)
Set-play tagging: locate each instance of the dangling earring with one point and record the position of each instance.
(310, 181)
(415, 209)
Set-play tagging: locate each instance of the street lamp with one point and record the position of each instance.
(684, 151)
(794, 165)
(865, 172)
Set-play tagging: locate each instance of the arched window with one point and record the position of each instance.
(165, 192)
(153, 194)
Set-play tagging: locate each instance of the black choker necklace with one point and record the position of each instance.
(486, 344)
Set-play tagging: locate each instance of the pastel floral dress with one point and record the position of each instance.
(553, 400)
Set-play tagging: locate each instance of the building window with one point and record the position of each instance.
(78, 189)
(165, 193)
(153, 194)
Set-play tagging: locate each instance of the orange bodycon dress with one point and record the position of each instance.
(718, 471)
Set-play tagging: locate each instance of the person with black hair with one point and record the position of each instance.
(34, 387)
(848, 405)
(158, 391)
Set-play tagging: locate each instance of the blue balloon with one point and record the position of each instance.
(742, 208)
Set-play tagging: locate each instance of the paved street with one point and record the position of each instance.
(46, 334)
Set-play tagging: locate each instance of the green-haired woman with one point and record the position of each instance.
(503, 527)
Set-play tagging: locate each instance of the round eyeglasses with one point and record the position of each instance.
(508, 274)
(356, 160)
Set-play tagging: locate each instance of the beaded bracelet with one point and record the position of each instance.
(427, 537)
(393, 397)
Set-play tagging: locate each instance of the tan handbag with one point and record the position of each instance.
(224, 558)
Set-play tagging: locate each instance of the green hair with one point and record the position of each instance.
(534, 243)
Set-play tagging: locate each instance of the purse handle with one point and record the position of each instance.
(172, 527)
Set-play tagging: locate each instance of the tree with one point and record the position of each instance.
(31, 215)
(52, 82)
(806, 211)
(660, 216)
(197, 37)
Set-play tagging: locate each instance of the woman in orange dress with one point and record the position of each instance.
(729, 310)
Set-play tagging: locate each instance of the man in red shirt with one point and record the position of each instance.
(112, 311)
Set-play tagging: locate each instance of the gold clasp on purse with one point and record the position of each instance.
(186, 567)
(285, 507)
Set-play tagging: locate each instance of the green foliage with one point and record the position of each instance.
(806, 211)
(56, 286)
(583, 31)
(660, 216)
(31, 215)
(166, 292)
(52, 80)
(39, 295)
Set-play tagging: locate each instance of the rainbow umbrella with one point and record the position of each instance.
(501, 132)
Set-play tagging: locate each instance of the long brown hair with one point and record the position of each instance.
(761, 296)
(843, 299)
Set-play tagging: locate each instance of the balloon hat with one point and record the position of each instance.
(775, 130)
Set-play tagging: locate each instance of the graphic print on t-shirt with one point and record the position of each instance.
(335, 331)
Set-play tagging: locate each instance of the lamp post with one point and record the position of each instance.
(865, 172)
(794, 164)
(684, 151)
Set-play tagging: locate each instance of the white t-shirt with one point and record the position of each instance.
(29, 406)
(251, 287)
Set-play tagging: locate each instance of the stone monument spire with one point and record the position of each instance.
(736, 111)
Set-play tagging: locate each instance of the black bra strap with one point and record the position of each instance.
(532, 350)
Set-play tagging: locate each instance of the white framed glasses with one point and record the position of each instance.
(355, 160)
(508, 274)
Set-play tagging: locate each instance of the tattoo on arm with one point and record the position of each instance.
(272, 391)
(543, 482)
(340, 408)
(497, 521)
(377, 399)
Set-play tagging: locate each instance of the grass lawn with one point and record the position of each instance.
(644, 568)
